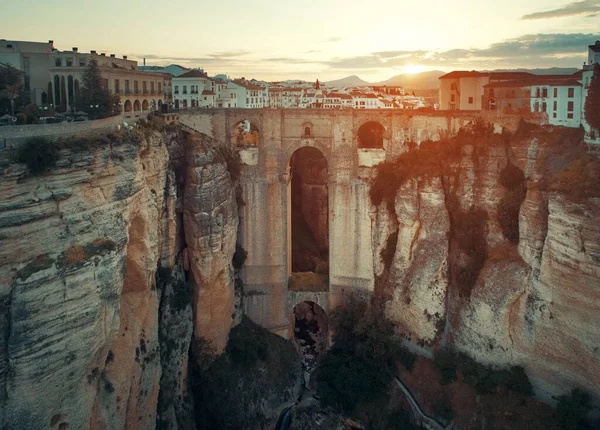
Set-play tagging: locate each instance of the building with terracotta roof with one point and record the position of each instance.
(463, 90)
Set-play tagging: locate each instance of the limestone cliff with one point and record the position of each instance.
(87, 319)
(455, 274)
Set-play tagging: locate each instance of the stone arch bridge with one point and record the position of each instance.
(265, 220)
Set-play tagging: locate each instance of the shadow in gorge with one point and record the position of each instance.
(310, 238)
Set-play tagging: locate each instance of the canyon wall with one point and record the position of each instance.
(101, 260)
(453, 278)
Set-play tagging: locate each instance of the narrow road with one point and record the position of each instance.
(421, 418)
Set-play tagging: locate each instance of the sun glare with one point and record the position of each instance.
(412, 68)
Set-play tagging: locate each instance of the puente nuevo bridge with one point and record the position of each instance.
(334, 170)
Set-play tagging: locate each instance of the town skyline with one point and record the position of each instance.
(322, 41)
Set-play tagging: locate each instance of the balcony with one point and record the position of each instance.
(175, 92)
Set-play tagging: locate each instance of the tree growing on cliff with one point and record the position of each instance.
(592, 102)
(12, 94)
(94, 93)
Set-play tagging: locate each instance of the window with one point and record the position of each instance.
(545, 92)
(176, 89)
(570, 115)
(543, 106)
(126, 86)
(152, 87)
(537, 93)
(536, 107)
(453, 86)
(554, 106)
(470, 100)
(117, 89)
(554, 115)
(136, 87)
(81, 63)
(452, 97)
(159, 87)
(185, 89)
(144, 88)
(571, 93)
(57, 62)
(69, 63)
(570, 106)
(555, 92)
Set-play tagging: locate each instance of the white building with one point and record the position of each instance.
(256, 96)
(562, 100)
(188, 90)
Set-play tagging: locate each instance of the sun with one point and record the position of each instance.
(413, 68)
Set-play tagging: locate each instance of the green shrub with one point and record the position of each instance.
(39, 154)
(443, 410)
(355, 371)
(257, 367)
(483, 378)
(572, 409)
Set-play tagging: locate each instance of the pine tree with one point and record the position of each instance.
(93, 92)
(592, 102)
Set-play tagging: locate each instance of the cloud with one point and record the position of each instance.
(229, 54)
(335, 39)
(585, 7)
(533, 50)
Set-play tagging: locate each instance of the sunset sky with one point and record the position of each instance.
(325, 39)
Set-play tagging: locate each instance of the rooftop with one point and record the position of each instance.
(193, 74)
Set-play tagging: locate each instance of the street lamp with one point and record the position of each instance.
(94, 107)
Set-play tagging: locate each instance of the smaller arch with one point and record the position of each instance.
(136, 106)
(127, 107)
(492, 104)
(244, 133)
(58, 62)
(160, 102)
(310, 333)
(44, 98)
(370, 135)
(145, 105)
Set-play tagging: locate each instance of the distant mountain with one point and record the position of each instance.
(415, 81)
(348, 81)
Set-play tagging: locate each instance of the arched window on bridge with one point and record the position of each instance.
(370, 135)
(244, 134)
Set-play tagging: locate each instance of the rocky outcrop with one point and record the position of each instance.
(88, 340)
(211, 223)
(455, 279)
(175, 401)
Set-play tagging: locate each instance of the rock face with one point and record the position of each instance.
(211, 222)
(85, 331)
(534, 303)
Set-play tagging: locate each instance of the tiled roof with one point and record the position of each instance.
(509, 75)
(208, 93)
(595, 47)
(538, 80)
(248, 85)
(462, 74)
(193, 74)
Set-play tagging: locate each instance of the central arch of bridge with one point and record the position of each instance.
(308, 220)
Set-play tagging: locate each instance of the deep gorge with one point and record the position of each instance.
(118, 289)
